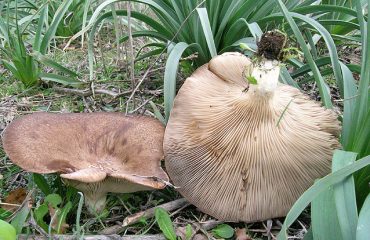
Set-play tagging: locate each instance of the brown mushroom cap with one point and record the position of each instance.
(99, 152)
(240, 154)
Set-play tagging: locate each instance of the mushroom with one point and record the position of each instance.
(241, 151)
(96, 153)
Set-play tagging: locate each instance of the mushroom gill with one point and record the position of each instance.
(241, 151)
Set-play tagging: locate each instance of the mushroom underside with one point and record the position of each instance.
(242, 156)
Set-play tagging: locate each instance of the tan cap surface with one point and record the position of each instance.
(234, 154)
(90, 148)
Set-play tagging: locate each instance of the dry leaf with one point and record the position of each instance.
(241, 234)
(200, 236)
(16, 196)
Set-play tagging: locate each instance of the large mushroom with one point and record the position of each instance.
(96, 153)
(241, 146)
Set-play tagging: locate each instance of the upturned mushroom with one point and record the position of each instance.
(245, 150)
(96, 153)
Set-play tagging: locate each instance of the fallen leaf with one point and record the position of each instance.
(241, 234)
(16, 196)
(200, 236)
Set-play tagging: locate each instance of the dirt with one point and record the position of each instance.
(271, 45)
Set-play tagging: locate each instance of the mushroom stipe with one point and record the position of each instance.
(246, 152)
(96, 153)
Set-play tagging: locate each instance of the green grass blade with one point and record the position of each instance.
(157, 113)
(62, 9)
(149, 54)
(226, 13)
(170, 76)
(323, 88)
(331, 47)
(59, 79)
(255, 30)
(41, 183)
(319, 187)
(154, 5)
(20, 219)
(207, 31)
(148, 45)
(324, 219)
(286, 78)
(306, 67)
(325, 8)
(84, 18)
(345, 198)
(145, 33)
(350, 90)
(40, 26)
(50, 63)
(362, 107)
(362, 232)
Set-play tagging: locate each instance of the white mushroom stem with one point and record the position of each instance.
(266, 73)
(95, 201)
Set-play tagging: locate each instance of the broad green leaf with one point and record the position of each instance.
(207, 31)
(59, 79)
(165, 224)
(62, 9)
(223, 231)
(41, 20)
(345, 196)
(20, 219)
(308, 235)
(363, 226)
(42, 183)
(40, 212)
(7, 231)
(324, 218)
(320, 186)
(323, 88)
(53, 199)
(50, 63)
(170, 76)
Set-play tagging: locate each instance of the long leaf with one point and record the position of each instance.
(362, 232)
(345, 197)
(320, 186)
(203, 15)
(59, 79)
(165, 224)
(50, 63)
(324, 218)
(170, 76)
(62, 9)
(323, 88)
